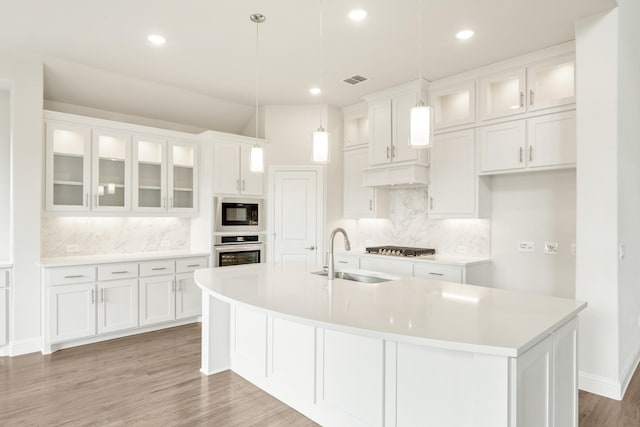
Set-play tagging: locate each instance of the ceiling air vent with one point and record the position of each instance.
(355, 79)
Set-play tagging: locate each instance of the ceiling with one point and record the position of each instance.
(96, 53)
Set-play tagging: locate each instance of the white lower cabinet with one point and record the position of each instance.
(117, 305)
(448, 273)
(72, 311)
(349, 378)
(113, 298)
(157, 299)
(5, 280)
(387, 265)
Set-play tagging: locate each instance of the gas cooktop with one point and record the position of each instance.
(400, 251)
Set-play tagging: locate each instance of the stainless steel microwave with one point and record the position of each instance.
(238, 214)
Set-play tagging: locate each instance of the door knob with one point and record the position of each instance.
(311, 248)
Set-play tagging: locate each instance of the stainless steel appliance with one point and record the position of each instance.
(400, 251)
(238, 214)
(238, 250)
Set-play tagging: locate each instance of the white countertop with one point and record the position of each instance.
(457, 260)
(413, 310)
(100, 259)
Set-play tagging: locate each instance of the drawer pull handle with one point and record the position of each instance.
(76, 276)
(119, 272)
(158, 268)
(436, 274)
(343, 262)
(193, 265)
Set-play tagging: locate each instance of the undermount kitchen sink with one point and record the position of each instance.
(355, 277)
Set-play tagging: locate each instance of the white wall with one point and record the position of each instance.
(25, 78)
(538, 207)
(628, 184)
(597, 201)
(5, 176)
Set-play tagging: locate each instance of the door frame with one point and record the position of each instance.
(320, 201)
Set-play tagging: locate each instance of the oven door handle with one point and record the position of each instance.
(238, 248)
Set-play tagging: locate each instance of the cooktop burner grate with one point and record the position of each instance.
(400, 251)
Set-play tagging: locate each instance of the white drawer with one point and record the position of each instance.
(156, 268)
(70, 275)
(185, 265)
(117, 271)
(342, 262)
(448, 273)
(389, 265)
(4, 278)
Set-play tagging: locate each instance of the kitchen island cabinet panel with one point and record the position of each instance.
(249, 342)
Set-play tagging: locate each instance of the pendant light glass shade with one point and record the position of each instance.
(256, 163)
(420, 133)
(321, 146)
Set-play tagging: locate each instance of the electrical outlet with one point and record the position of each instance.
(165, 244)
(461, 249)
(573, 249)
(71, 249)
(525, 247)
(551, 248)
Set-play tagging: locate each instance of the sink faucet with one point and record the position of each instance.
(331, 274)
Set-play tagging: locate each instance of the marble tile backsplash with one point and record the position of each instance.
(113, 235)
(409, 225)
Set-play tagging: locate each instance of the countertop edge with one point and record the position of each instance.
(438, 259)
(109, 259)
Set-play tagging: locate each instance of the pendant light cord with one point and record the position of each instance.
(257, 70)
(420, 53)
(321, 59)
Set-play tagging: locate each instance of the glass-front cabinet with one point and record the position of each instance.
(68, 166)
(552, 83)
(111, 171)
(454, 105)
(502, 94)
(164, 175)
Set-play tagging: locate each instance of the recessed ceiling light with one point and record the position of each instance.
(156, 39)
(464, 34)
(357, 14)
(315, 91)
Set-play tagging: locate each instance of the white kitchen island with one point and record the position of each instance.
(407, 352)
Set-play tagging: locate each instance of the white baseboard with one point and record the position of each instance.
(215, 371)
(18, 348)
(629, 369)
(600, 385)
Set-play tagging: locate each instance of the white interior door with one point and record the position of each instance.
(297, 215)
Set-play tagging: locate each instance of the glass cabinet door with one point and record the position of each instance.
(111, 171)
(502, 94)
(149, 172)
(182, 176)
(68, 167)
(552, 83)
(454, 105)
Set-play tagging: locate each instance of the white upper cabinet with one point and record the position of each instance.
(68, 167)
(454, 187)
(361, 201)
(551, 83)
(231, 174)
(389, 126)
(356, 125)
(164, 175)
(111, 171)
(502, 146)
(551, 140)
(454, 105)
(502, 94)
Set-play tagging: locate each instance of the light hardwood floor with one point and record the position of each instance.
(154, 380)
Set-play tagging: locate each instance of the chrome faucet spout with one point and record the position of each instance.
(347, 245)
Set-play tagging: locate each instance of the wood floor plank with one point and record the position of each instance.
(153, 379)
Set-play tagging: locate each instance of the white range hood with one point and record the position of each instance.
(408, 175)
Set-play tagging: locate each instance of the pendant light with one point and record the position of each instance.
(256, 163)
(321, 150)
(420, 130)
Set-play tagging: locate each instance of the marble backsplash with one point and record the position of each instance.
(409, 225)
(112, 235)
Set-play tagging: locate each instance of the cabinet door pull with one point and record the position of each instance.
(86, 199)
(193, 265)
(388, 151)
(158, 268)
(171, 202)
(531, 153)
(531, 95)
(393, 151)
(430, 202)
(521, 152)
(436, 274)
(521, 99)
(343, 262)
(93, 297)
(102, 295)
(75, 276)
(243, 185)
(119, 272)
(237, 184)
(370, 204)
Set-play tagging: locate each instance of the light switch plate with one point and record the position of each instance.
(551, 248)
(525, 247)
